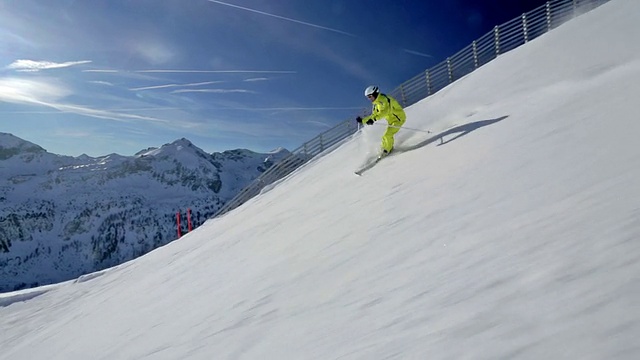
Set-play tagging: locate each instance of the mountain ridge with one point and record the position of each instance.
(64, 216)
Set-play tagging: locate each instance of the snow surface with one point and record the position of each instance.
(516, 236)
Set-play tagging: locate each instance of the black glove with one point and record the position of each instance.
(370, 122)
(359, 120)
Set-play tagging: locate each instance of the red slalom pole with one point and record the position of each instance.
(189, 219)
(178, 223)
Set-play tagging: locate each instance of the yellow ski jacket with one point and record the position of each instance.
(384, 106)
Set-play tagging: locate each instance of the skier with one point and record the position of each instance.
(384, 106)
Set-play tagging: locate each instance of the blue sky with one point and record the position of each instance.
(118, 76)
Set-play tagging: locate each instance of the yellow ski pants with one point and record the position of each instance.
(392, 129)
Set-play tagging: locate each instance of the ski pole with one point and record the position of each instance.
(404, 127)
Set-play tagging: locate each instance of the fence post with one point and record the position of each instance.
(548, 16)
(474, 45)
(450, 70)
(428, 82)
(189, 227)
(404, 98)
(575, 8)
(524, 28)
(496, 35)
(321, 144)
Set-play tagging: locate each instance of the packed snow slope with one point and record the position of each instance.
(516, 236)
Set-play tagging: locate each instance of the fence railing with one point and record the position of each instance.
(297, 158)
(501, 39)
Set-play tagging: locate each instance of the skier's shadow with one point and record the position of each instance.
(461, 129)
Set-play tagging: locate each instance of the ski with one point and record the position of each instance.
(369, 165)
(402, 149)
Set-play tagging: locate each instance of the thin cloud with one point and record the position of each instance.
(110, 110)
(214, 91)
(43, 93)
(218, 71)
(314, 122)
(292, 108)
(256, 79)
(74, 133)
(97, 82)
(33, 66)
(283, 108)
(174, 85)
(102, 114)
(101, 71)
(29, 112)
(283, 18)
(180, 71)
(147, 109)
(412, 52)
(153, 51)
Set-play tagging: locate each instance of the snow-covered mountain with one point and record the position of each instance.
(62, 216)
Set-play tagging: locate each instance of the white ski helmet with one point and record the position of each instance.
(371, 90)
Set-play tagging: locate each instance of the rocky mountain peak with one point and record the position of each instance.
(181, 148)
(11, 145)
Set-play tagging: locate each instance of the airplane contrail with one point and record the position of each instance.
(101, 71)
(214, 91)
(283, 18)
(195, 71)
(174, 85)
(283, 108)
(216, 71)
(413, 52)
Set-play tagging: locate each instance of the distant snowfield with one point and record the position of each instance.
(516, 237)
